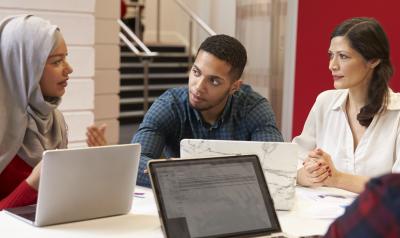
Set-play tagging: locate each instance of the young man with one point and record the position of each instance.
(215, 105)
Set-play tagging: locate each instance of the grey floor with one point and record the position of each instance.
(126, 133)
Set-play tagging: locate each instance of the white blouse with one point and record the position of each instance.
(378, 151)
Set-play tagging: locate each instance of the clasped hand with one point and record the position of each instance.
(318, 170)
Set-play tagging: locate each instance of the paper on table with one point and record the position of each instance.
(325, 203)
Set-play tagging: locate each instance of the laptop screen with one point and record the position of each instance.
(213, 197)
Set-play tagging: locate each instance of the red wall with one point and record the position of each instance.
(316, 20)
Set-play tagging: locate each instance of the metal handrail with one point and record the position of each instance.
(128, 43)
(146, 56)
(135, 38)
(196, 18)
(193, 17)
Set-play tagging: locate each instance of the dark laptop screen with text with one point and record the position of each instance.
(214, 197)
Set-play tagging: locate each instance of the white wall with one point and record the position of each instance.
(219, 15)
(107, 67)
(223, 16)
(289, 70)
(78, 102)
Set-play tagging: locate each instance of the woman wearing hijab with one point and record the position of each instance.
(33, 76)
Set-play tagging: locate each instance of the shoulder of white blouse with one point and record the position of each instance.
(394, 101)
(331, 99)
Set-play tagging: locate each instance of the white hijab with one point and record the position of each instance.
(29, 123)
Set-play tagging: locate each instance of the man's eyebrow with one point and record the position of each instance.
(214, 77)
(197, 68)
(209, 76)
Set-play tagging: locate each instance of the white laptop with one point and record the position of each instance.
(278, 160)
(213, 197)
(82, 184)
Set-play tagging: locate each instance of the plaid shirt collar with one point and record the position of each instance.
(220, 121)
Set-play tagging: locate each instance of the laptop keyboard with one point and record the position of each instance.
(27, 212)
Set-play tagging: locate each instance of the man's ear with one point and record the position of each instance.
(374, 62)
(236, 86)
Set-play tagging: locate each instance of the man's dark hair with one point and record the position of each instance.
(228, 49)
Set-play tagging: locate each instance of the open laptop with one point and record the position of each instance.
(278, 160)
(213, 197)
(81, 184)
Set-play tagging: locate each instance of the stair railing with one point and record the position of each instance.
(193, 18)
(145, 55)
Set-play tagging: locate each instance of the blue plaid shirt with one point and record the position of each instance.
(247, 116)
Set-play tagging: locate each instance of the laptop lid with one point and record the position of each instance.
(213, 197)
(81, 184)
(278, 159)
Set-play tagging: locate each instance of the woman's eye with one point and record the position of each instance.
(342, 56)
(58, 62)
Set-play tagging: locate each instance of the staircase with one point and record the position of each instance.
(167, 70)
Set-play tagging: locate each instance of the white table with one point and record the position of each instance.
(143, 221)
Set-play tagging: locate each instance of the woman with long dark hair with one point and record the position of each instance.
(352, 133)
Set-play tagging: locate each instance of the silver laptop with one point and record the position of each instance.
(213, 197)
(278, 160)
(81, 184)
